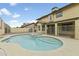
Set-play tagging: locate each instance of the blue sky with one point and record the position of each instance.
(15, 14)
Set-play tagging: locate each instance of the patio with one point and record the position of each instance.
(70, 47)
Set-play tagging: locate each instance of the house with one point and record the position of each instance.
(30, 27)
(41, 24)
(66, 21)
(4, 28)
(61, 22)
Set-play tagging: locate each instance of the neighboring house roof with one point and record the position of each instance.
(30, 24)
(27, 25)
(43, 16)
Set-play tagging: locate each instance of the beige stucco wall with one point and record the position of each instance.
(44, 19)
(68, 13)
(77, 29)
(19, 30)
(2, 30)
(7, 28)
(56, 29)
(31, 26)
(45, 29)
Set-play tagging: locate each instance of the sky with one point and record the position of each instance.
(15, 14)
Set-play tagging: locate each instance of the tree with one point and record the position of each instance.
(54, 8)
(24, 24)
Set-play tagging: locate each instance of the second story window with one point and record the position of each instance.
(59, 14)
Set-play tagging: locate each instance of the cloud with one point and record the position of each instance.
(31, 21)
(5, 11)
(26, 9)
(15, 23)
(0, 13)
(16, 15)
(13, 4)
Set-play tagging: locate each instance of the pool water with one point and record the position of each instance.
(35, 42)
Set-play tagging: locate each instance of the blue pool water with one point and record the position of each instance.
(35, 42)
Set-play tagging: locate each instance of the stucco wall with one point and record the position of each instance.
(69, 12)
(77, 29)
(19, 30)
(44, 19)
(31, 27)
(2, 27)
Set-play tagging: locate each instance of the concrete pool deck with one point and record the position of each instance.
(70, 48)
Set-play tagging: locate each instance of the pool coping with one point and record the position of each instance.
(5, 38)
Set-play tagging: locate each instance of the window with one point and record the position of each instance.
(59, 14)
(43, 27)
(39, 28)
(67, 28)
(53, 28)
(30, 30)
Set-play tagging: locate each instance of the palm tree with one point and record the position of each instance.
(24, 24)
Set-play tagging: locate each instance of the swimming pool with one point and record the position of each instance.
(35, 42)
